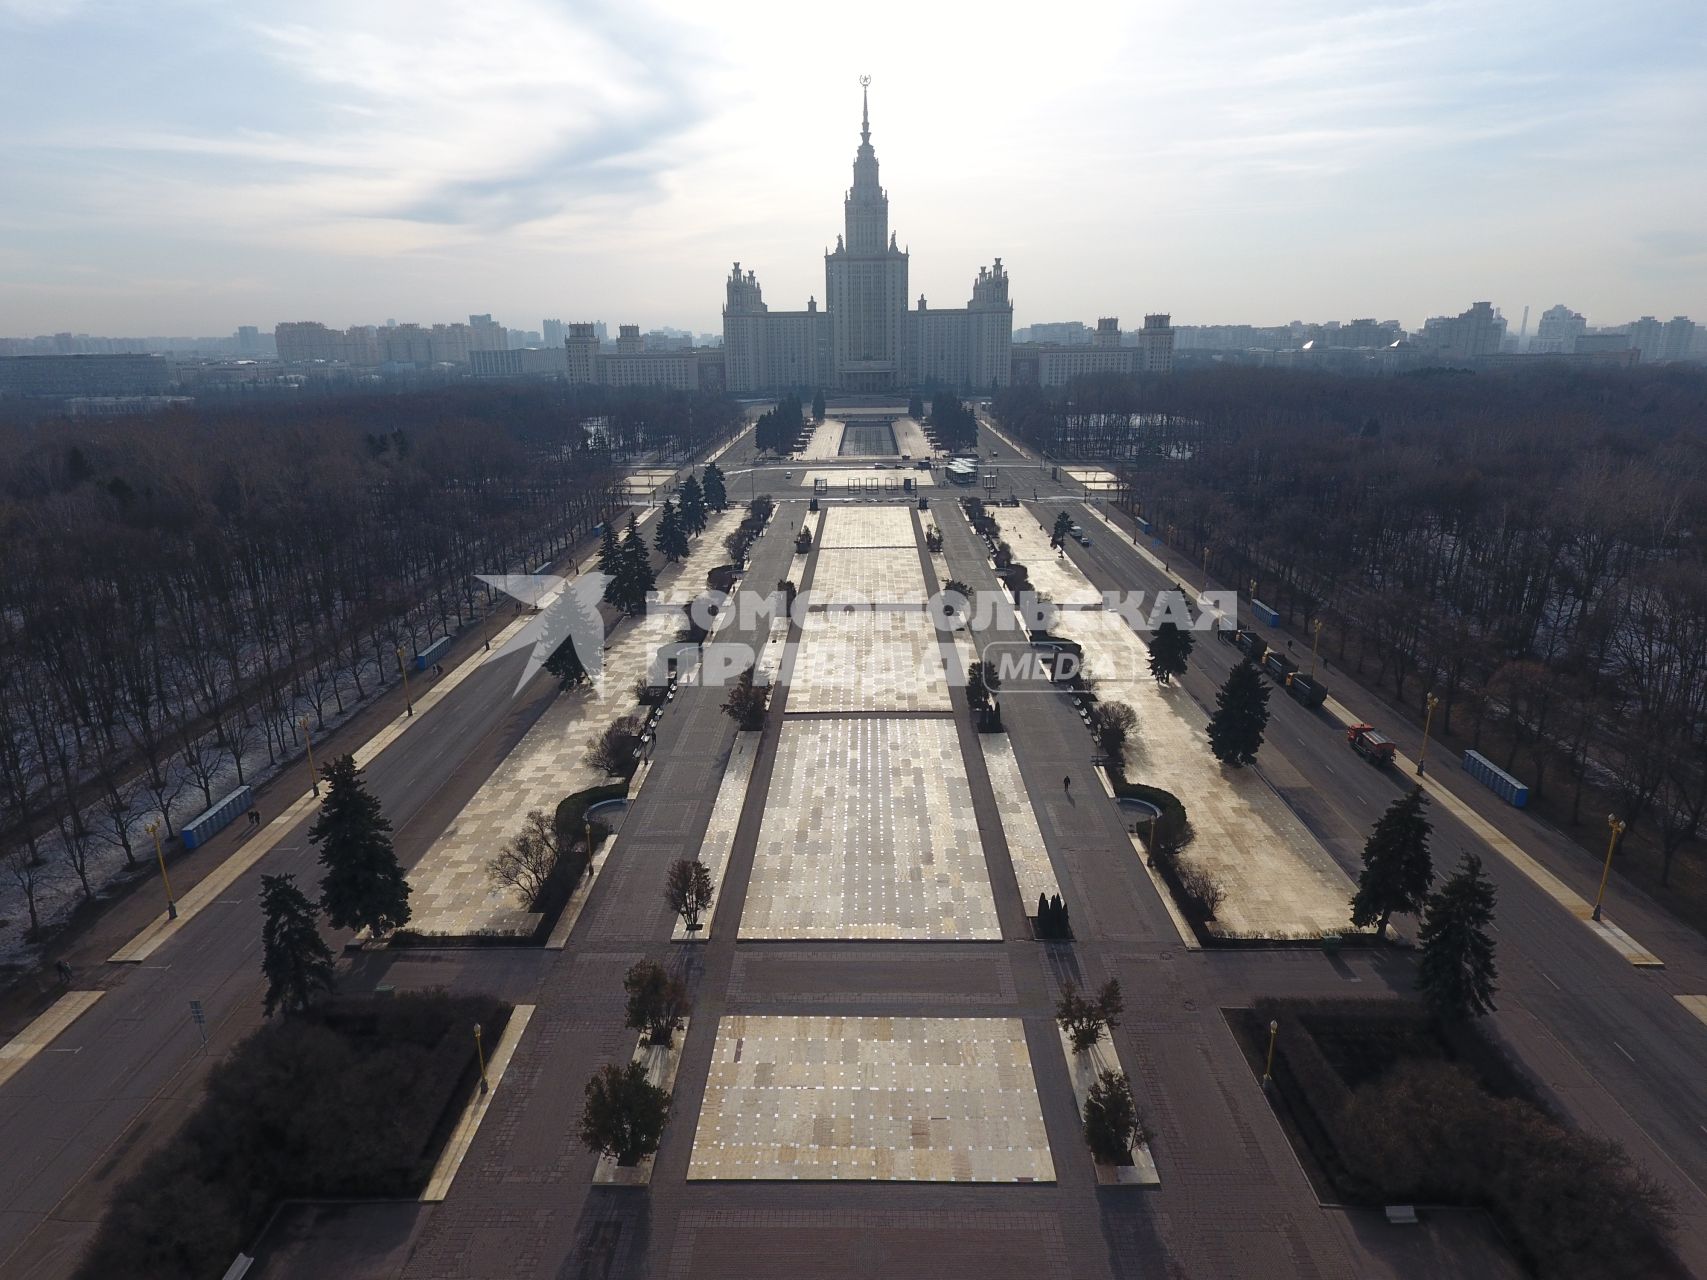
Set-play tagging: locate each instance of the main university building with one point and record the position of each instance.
(866, 339)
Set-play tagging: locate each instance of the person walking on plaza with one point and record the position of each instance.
(1067, 784)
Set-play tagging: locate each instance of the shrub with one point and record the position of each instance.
(1084, 1020)
(1112, 724)
(625, 1114)
(528, 859)
(1112, 1126)
(613, 751)
(1203, 893)
(1438, 1114)
(345, 1100)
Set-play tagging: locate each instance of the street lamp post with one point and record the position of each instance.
(153, 829)
(1617, 827)
(1268, 1064)
(480, 1053)
(1428, 720)
(313, 777)
(1206, 566)
(1315, 645)
(408, 702)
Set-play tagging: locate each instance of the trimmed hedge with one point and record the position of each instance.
(1173, 822)
(1397, 1108)
(352, 1099)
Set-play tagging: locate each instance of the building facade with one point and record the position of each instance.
(865, 339)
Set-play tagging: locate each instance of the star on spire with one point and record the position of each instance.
(865, 109)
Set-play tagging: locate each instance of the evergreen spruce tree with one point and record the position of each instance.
(716, 495)
(1170, 648)
(1397, 869)
(1456, 973)
(572, 616)
(818, 407)
(634, 576)
(672, 538)
(692, 504)
(610, 554)
(1241, 716)
(295, 960)
(1063, 526)
(363, 887)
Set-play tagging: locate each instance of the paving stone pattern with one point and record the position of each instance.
(451, 892)
(1279, 881)
(872, 660)
(1026, 850)
(869, 575)
(869, 1098)
(868, 832)
(888, 526)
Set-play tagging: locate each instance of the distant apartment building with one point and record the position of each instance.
(552, 333)
(84, 375)
(1467, 336)
(520, 362)
(1057, 333)
(1664, 341)
(1558, 331)
(630, 364)
(368, 346)
(1047, 364)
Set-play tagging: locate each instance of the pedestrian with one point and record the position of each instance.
(1067, 784)
(64, 972)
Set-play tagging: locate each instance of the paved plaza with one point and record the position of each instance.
(1096, 479)
(1053, 577)
(451, 892)
(1030, 856)
(870, 660)
(1280, 882)
(871, 1099)
(826, 440)
(890, 526)
(875, 575)
(871, 482)
(869, 833)
(720, 832)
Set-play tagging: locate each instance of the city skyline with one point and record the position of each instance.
(192, 172)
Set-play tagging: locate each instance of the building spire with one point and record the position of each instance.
(865, 110)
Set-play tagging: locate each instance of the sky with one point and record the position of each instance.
(185, 166)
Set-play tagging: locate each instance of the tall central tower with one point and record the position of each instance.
(866, 280)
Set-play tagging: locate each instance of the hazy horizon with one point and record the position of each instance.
(191, 168)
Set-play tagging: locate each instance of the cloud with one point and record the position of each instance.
(1253, 158)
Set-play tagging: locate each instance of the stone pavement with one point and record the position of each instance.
(719, 836)
(872, 660)
(451, 892)
(877, 575)
(826, 440)
(882, 526)
(1026, 849)
(868, 832)
(863, 1098)
(1279, 880)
